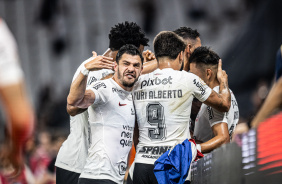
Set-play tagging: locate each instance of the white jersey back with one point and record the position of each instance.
(208, 117)
(112, 119)
(73, 152)
(10, 71)
(163, 102)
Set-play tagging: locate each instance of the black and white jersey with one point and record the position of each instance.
(111, 119)
(163, 102)
(208, 117)
(73, 152)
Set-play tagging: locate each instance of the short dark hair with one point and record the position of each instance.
(204, 56)
(187, 33)
(129, 49)
(126, 33)
(168, 44)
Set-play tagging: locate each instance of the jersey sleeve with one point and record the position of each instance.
(101, 91)
(216, 117)
(199, 88)
(10, 70)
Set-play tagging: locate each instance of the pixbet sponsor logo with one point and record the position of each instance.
(156, 81)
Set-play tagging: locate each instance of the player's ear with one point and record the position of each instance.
(115, 66)
(189, 46)
(181, 57)
(209, 73)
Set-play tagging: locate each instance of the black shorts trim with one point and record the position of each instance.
(144, 174)
(64, 176)
(94, 181)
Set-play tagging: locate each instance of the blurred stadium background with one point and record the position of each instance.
(55, 36)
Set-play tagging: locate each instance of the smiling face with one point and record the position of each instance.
(128, 70)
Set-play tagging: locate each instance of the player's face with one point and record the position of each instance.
(129, 69)
(198, 71)
(189, 50)
(197, 44)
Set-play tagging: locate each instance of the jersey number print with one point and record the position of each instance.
(155, 117)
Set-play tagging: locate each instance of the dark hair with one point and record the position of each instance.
(187, 33)
(204, 55)
(126, 33)
(129, 49)
(168, 44)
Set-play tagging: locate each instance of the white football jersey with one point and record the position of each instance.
(73, 152)
(112, 120)
(208, 117)
(163, 102)
(10, 71)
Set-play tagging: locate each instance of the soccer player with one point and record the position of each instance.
(18, 111)
(72, 155)
(212, 128)
(163, 101)
(192, 40)
(111, 116)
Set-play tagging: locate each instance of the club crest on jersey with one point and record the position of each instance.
(156, 81)
(132, 111)
(122, 168)
(99, 85)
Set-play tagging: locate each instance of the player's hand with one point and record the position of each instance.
(221, 74)
(99, 62)
(148, 56)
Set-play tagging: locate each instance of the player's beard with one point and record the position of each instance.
(123, 82)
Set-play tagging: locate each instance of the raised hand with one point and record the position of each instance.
(99, 62)
(221, 74)
(148, 56)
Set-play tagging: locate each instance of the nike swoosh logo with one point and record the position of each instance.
(121, 104)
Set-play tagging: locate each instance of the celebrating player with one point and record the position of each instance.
(163, 101)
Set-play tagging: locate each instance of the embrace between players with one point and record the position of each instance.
(148, 99)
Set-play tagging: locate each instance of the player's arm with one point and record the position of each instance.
(73, 111)
(220, 101)
(149, 67)
(221, 133)
(78, 95)
(20, 118)
(272, 102)
(150, 62)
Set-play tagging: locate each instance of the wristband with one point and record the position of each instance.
(198, 146)
(84, 71)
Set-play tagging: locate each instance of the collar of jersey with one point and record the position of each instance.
(118, 86)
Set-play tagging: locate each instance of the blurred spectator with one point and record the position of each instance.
(272, 104)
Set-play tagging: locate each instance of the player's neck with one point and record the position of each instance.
(168, 63)
(213, 83)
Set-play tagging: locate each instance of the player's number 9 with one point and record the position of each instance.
(155, 117)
